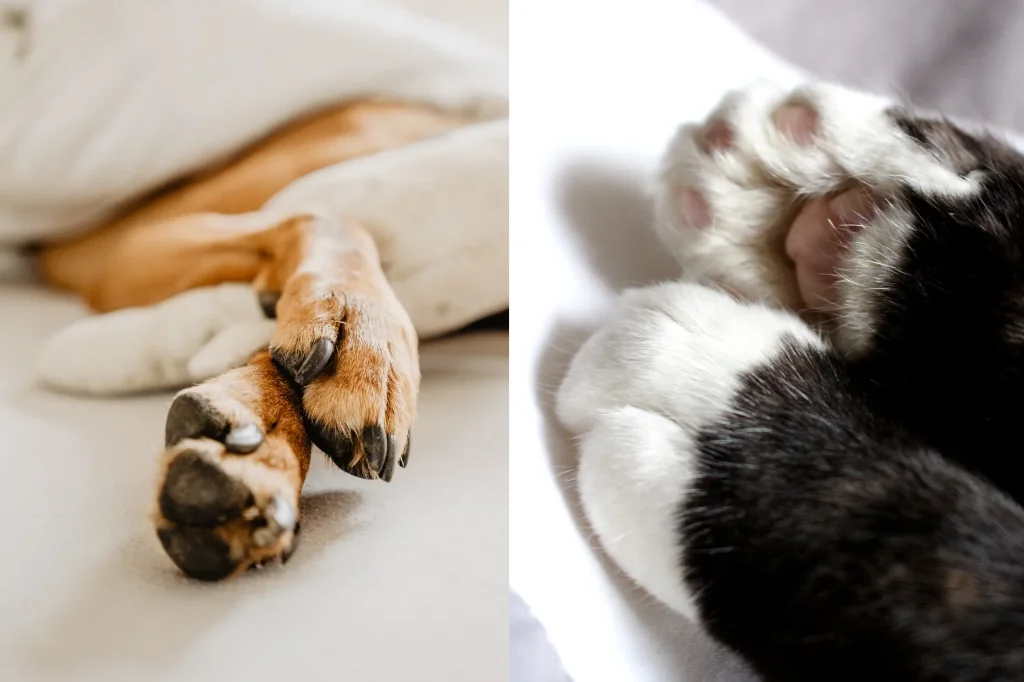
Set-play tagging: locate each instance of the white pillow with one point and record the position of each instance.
(113, 98)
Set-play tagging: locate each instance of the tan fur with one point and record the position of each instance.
(210, 230)
(201, 232)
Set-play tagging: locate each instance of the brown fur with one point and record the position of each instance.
(210, 230)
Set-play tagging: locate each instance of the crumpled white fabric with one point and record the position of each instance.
(104, 100)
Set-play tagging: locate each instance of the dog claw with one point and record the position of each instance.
(392, 446)
(315, 363)
(243, 439)
(389, 468)
(280, 516)
(295, 543)
(338, 446)
(282, 513)
(268, 303)
(403, 461)
(375, 447)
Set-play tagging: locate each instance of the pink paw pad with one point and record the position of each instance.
(717, 135)
(798, 122)
(694, 207)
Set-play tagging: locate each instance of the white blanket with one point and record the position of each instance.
(587, 137)
(107, 99)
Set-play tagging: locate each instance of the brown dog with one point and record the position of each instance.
(342, 370)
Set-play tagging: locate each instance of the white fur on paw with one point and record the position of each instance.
(675, 349)
(634, 470)
(638, 393)
(856, 138)
(746, 175)
(230, 348)
(185, 339)
(739, 212)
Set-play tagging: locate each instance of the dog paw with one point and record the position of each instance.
(353, 351)
(185, 339)
(235, 460)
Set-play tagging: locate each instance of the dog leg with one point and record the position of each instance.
(341, 332)
(345, 374)
(342, 343)
(111, 266)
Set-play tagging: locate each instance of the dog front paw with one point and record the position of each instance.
(189, 338)
(354, 354)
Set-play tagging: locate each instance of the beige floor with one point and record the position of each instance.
(406, 581)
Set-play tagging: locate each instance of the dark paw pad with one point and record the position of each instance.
(199, 552)
(197, 492)
(305, 367)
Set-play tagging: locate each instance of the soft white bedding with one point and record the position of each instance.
(105, 100)
(601, 107)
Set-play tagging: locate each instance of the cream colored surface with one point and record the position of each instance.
(406, 581)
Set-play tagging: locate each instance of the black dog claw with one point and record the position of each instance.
(403, 461)
(392, 448)
(315, 363)
(389, 468)
(339, 446)
(375, 447)
(268, 303)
